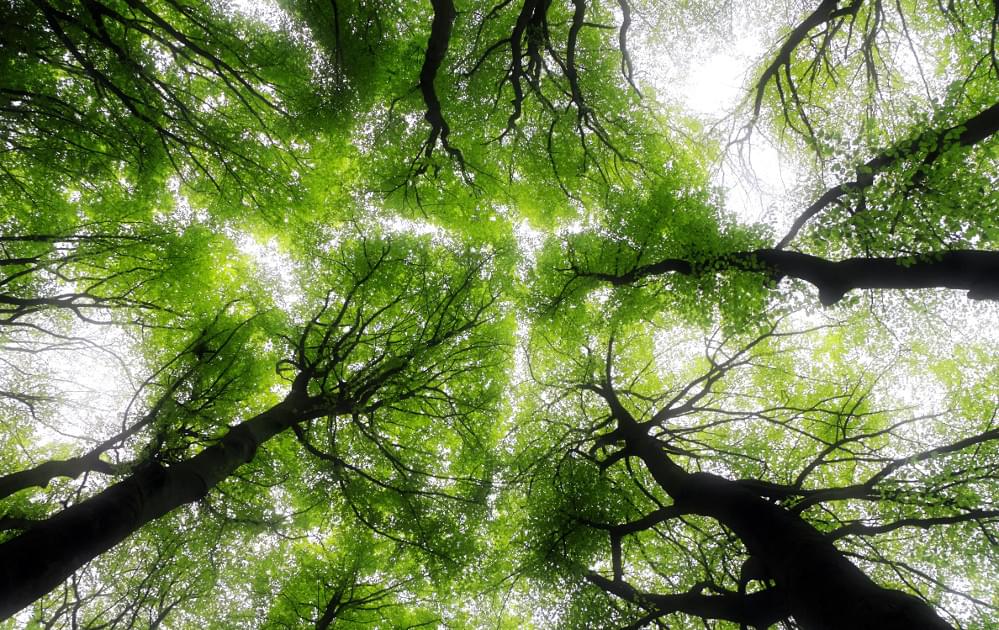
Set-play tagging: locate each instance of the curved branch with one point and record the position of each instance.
(762, 609)
(867, 489)
(861, 529)
(627, 69)
(823, 13)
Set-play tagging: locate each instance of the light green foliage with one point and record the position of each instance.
(921, 70)
(678, 219)
(202, 210)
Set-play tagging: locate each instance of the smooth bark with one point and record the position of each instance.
(440, 38)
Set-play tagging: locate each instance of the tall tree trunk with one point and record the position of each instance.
(35, 562)
(824, 589)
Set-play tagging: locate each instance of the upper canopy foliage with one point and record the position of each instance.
(403, 314)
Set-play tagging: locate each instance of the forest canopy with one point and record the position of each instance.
(507, 314)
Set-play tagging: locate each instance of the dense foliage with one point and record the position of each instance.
(435, 314)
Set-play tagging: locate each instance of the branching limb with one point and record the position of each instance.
(41, 475)
(868, 490)
(976, 272)
(969, 133)
(826, 11)
(858, 528)
(761, 609)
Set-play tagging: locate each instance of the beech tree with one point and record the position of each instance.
(435, 314)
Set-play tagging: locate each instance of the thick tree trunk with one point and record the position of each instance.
(976, 272)
(824, 590)
(38, 560)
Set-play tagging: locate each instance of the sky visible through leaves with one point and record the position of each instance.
(482, 319)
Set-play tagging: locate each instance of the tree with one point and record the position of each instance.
(726, 514)
(407, 314)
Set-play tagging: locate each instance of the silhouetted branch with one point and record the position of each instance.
(976, 272)
(969, 133)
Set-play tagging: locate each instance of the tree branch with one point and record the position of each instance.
(976, 272)
(969, 133)
(858, 528)
(437, 45)
(761, 609)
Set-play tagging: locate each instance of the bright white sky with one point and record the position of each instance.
(708, 73)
